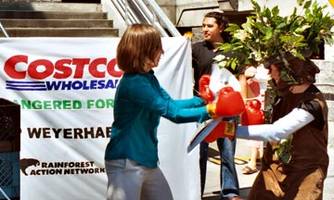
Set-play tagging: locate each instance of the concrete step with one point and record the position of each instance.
(62, 32)
(34, 23)
(48, 6)
(56, 19)
(13, 14)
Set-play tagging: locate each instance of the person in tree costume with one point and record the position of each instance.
(296, 166)
(295, 160)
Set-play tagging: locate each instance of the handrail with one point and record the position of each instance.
(145, 11)
(151, 18)
(4, 30)
(163, 17)
(123, 8)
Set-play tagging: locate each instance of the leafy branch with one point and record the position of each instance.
(267, 35)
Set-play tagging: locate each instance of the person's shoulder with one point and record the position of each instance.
(198, 48)
(136, 77)
(133, 81)
(198, 44)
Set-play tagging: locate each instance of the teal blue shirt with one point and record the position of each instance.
(139, 104)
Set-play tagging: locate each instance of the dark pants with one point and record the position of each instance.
(228, 174)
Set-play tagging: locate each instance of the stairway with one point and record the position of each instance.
(43, 19)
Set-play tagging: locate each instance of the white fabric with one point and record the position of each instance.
(262, 74)
(74, 136)
(129, 181)
(221, 77)
(250, 72)
(280, 129)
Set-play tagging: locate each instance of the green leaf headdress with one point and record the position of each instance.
(267, 36)
(289, 41)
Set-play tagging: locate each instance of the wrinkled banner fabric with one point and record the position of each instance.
(66, 87)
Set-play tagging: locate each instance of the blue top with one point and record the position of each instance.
(139, 103)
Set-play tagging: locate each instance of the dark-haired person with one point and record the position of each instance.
(131, 156)
(203, 52)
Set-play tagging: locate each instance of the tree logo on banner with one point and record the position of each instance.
(45, 168)
(27, 162)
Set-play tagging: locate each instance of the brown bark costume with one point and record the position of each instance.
(303, 177)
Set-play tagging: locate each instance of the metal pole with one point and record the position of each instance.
(4, 194)
(163, 17)
(4, 31)
(127, 12)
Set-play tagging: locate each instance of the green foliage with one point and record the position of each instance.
(283, 150)
(266, 34)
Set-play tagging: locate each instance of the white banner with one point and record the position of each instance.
(66, 87)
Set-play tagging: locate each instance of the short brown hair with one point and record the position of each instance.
(139, 45)
(221, 21)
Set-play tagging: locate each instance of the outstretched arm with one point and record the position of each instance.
(280, 129)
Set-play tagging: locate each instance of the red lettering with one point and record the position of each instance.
(80, 65)
(10, 66)
(63, 69)
(111, 69)
(35, 74)
(93, 67)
